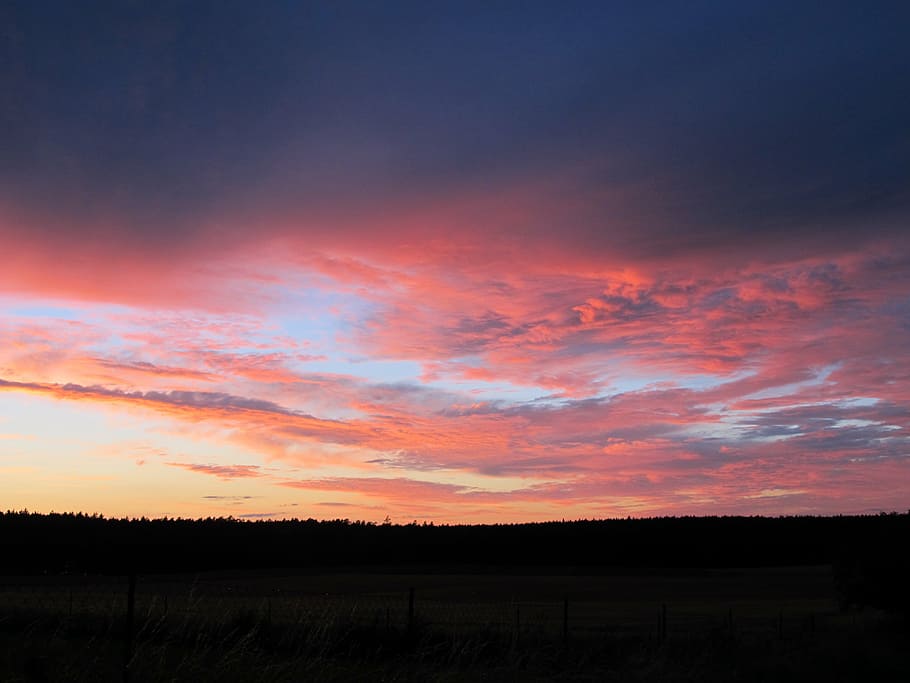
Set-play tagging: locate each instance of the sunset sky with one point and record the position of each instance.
(454, 262)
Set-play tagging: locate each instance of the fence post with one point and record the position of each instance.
(656, 631)
(730, 621)
(663, 622)
(780, 625)
(411, 609)
(130, 613)
(517, 622)
(565, 622)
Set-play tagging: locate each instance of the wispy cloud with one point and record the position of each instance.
(222, 472)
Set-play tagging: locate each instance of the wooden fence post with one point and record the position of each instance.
(411, 609)
(517, 623)
(663, 622)
(565, 622)
(128, 635)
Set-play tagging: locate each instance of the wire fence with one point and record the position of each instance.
(108, 598)
(156, 627)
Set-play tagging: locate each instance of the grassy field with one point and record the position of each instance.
(751, 624)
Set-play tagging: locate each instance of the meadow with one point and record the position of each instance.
(772, 623)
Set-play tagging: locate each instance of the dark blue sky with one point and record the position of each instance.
(722, 119)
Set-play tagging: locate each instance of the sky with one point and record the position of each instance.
(452, 261)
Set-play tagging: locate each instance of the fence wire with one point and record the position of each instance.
(62, 598)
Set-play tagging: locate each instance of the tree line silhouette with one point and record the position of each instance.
(55, 543)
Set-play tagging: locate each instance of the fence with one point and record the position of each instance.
(132, 616)
(151, 598)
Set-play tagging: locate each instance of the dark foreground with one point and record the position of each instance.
(769, 624)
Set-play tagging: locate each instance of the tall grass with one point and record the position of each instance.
(196, 637)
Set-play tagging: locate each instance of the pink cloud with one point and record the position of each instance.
(221, 471)
(646, 377)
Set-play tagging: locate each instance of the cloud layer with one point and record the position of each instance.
(464, 264)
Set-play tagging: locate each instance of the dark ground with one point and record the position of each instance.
(780, 624)
(672, 599)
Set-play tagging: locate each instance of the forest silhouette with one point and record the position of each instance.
(868, 553)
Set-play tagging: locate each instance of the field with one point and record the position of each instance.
(742, 624)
